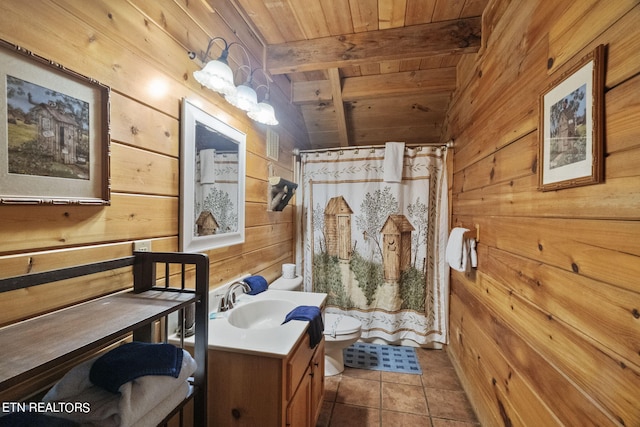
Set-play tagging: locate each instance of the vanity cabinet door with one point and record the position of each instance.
(299, 408)
(297, 365)
(317, 382)
(306, 382)
(245, 390)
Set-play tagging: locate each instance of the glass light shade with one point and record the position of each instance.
(245, 98)
(217, 76)
(265, 114)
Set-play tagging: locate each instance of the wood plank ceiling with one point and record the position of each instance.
(365, 72)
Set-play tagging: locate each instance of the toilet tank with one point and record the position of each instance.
(283, 284)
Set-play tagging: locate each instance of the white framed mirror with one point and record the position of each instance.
(212, 174)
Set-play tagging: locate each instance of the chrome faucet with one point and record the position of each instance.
(229, 298)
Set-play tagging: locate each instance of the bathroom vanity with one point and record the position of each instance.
(262, 390)
(261, 372)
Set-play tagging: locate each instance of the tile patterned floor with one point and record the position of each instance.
(367, 398)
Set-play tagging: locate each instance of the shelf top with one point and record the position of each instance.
(34, 345)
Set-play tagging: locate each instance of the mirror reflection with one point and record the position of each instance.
(216, 192)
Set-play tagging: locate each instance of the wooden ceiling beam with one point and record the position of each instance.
(311, 92)
(338, 105)
(416, 41)
(435, 80)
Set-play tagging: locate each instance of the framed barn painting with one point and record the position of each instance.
(571, 126)
(54, 133)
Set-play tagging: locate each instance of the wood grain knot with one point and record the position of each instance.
(549, 63)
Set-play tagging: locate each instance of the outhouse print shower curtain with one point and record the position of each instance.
(375, 247)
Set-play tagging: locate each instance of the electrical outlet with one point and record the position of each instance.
(142, 246)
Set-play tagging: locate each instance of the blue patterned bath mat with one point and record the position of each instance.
(378, 357)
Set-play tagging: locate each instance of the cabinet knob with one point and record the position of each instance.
(235, 413)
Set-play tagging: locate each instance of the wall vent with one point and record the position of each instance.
(273, 144)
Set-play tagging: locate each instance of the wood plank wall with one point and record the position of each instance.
(546, 332)
(139, 48)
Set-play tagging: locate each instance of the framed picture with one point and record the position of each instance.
(571, 126)
(54, 133)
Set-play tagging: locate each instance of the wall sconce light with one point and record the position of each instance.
(264, 113)
(245, 97)
(219, 77)
(216, 74)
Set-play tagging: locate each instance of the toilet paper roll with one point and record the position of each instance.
(289, 271)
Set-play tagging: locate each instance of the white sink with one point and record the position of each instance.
(261, 314)
(253, 325)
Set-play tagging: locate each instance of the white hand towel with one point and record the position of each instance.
(207, 166)
(159, 412)
(393, 161)
(473, 255)
(135, 398)
(457, 250)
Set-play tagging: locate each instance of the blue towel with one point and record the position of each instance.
(133, 360)
(257, 284)
(311, 314)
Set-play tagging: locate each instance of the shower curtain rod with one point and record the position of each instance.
(446, 145)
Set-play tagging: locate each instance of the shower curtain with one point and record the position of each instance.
(375, 247)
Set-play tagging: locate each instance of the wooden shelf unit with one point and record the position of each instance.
(34, 346)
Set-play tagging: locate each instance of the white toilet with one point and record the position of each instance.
(340, 332)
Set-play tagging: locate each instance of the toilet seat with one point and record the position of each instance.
(340, 331)
(339, 324)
